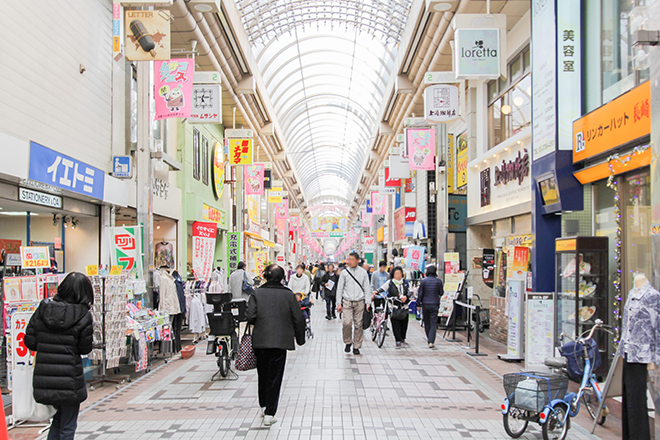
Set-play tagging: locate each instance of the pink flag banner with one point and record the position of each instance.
(173, 85)
(420, 143)
(378, 203)
(293, 225)
(366, 219)
(254, 178)
(282, 210)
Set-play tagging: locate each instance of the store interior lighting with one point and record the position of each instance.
(74, 223)
(18, 214)
(56, 219)
(65, 221)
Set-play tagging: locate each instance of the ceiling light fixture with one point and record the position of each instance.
(518, 101)
(506, 109)
(74, 223)
(442, 7)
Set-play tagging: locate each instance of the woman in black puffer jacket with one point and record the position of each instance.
(60, 331)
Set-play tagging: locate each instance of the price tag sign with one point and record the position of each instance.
(20, 353)
(92, 270)
(34, 257)
(115, 270)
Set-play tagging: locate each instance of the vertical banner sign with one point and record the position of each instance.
(203, 249)
(378, 203)
(488, 267)
(484, 176)
(415, 257)
(173, 83)
(516, 290)
(450, 164)
(254, 178)
(366, 219)
(282, 210)
(240, 151)
(233, 250)
(127, 248)
(420, 143)
(544, 78)
(539, 333)
(569, 70)
(399, 167)
(461, 160)
(116, 28)
(218, 170)
(260, 262)
(294, 223)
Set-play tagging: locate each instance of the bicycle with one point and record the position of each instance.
(382, 312)
(224, 322)
(542, 398)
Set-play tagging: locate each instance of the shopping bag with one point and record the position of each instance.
(25, 408)
(246, 359)
(366, 318)
(400, 314)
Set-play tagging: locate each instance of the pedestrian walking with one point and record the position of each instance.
(317, 285)
(380, 277)
(278, 320)
(397, 287)
(353, 291)
(329, 284)
(367, 268)
(60, 331)
(299, 283)
(428, 298)
(239, 283)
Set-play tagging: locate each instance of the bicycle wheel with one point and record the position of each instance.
(591, 402)
(374, 332)
(382, 333)
(514, 423)
(224, 362)
(552, 428)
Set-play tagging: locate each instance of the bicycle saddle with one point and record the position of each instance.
(556, 362)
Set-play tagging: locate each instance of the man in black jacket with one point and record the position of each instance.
(277, 319)
(428, 297)
(329, 283)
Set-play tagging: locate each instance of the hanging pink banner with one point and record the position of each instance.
(254, 178)
(282, 210)
(378, 205)
(366, 219)
(420, 143)
(173, 86)
(293, 225)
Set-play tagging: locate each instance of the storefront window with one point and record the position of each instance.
(636, 199)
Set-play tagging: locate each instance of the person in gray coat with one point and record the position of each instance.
(278, 320)
(236, 282)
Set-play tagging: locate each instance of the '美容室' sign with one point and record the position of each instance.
(619, 122)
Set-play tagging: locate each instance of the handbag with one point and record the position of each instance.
(246, 359)
(400, 314)
(367, 317)
(247, 287)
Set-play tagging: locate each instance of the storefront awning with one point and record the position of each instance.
(260, 238)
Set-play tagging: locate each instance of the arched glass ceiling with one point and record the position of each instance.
(326, 64)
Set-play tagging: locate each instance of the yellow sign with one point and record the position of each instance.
(240, 151)
(115, 270)
(619, 122)
(565, 245)
(253, 209)
(218, 170)
(450, 164)
(214, 215)
(275, 195)
(260, 261)
(462, 160)
(92, 270)
(380, 234)
(520, 240)
(452, 256)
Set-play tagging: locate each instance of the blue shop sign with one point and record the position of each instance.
(457, 212)
(50, 167)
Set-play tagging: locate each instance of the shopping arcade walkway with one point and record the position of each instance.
(411, 393)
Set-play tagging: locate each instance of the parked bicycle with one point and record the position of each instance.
(542, 398)
(224, 323)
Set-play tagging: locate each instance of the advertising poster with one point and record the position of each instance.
(520, 263)
(147, 35)
(488, 267)
(539, 338)
(240, 152)
(378, 203)
(415, 257)
(34, 257)
(127, 248)
(400, 224)
(461, 160)
(173, 83)
(452, 263)
(420, 143)
(254, 179)
(203, 249)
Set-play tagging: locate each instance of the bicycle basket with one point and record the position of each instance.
(574, 352)
(532, 391)
(222, 324)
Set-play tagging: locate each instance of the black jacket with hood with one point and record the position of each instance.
(60, 333)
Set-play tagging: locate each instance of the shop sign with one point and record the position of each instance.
(399, 224)
(254, 177)
(457, 206)
(52, 168)
(441, 103)
(206, 104)
(515, 292)
(254, 228)
(477, 53)
(450, 164)
(218, 170)
(380, 234)
(161, 188)
(147, 35)
(415, 257)
(484, 178)
(39, 198)
(240, 152)
(173, 84)
(488, 267)
(619, 122)
(513, 170)
(565, 245)
(420, 144)
(390, 180)
(519, 240)
(127, 248)
(203, 249)
(214, 215)
(275, 195)
(34, 257)
(368, 245)
(121, 167)
(233, 250)
(461, 160)
(569, 70)
(253, 209)
(239, 133)
(260, 261)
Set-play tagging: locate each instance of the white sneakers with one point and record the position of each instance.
(263, 412)
(269, 420)
(431, 345)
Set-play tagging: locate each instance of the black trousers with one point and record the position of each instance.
(331, 305)
(430, 317)
(64, 423)
(177, 323)
(270, 369)
(634, 410)
(400, 329)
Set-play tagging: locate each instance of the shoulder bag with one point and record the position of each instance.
(246, 359)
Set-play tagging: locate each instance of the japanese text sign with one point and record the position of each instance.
(173, 83)
(415, 257)
(260, 261)
(254, 179)
(420, 143)
(233, 250)
(20, 354)
(619, 122)
(203, 249)
(240, 151)
(441, 103)
(214, 215)
(275, 195)
(50, 167)
(34, 257)
(127, 248)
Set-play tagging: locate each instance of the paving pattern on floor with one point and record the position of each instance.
(388, 393)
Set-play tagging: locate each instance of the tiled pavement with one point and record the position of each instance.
(388, 393)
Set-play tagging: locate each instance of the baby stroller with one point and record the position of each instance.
(306, 307)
